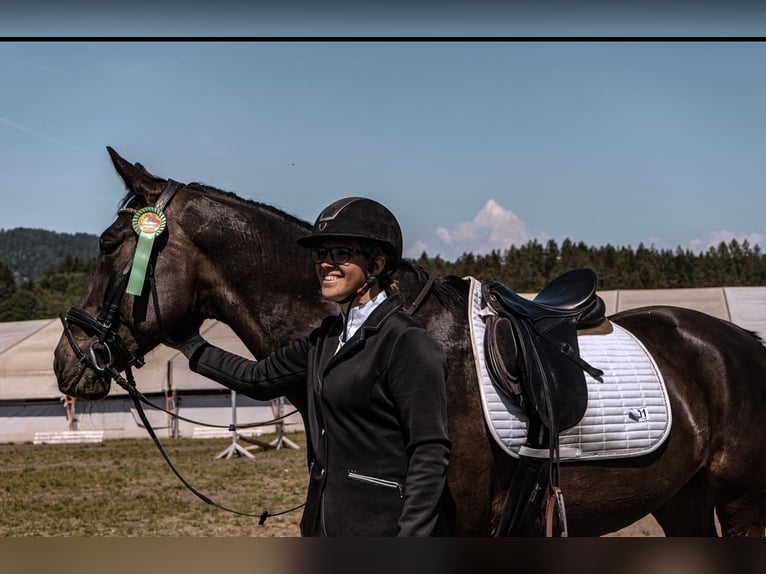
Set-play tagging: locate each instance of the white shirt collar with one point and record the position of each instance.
(358, 315)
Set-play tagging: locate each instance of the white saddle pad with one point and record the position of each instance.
(628, 413)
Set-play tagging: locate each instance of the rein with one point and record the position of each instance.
(109, 346)
(420, 298)
(129, 385)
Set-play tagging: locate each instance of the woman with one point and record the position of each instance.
(374, 380)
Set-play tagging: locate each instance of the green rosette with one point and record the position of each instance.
(148, 223)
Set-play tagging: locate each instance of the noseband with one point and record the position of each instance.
(108, 344)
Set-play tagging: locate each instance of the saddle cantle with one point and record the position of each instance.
(531, 345)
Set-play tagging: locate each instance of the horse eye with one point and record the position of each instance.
(108, 245)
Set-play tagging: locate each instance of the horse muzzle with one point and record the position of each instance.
(75, 378)
(85, 369)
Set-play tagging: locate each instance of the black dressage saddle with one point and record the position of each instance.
(531, 345)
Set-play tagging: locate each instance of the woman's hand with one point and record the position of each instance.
(191, 344)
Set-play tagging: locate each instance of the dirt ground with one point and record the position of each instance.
(647, 526)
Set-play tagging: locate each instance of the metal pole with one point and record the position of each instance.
(281, 439)
(234, 448)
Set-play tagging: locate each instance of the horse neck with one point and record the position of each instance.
(255, 278)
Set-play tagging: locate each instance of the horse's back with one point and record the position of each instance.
(692, 329)
(716, 377)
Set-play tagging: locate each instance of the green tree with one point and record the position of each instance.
(22, 305)
(7, 281)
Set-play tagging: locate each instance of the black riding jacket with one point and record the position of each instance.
(376, 421)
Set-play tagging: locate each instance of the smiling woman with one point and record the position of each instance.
(374, 371)
(340, 268)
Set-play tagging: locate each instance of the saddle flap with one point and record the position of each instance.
(554, 383)
(531, 346)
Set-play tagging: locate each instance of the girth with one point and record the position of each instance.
(531, 346)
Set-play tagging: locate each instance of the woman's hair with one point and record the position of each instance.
(386, 278)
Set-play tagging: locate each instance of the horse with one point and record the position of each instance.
(236, 260)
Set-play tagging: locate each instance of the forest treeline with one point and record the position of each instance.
(52, 293)
(529, 267)
(32, 252)
(524, 268)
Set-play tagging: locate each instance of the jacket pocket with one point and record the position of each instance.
(392, 484)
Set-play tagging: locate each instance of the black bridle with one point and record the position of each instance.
(109, 350)
(109, 345)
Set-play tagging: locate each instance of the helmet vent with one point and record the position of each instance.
(334, 210)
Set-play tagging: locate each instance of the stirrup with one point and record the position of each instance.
(556, 502)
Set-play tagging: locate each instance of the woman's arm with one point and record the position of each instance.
(417, 379)
(274, 376)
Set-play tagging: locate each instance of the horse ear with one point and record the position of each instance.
(136, 177)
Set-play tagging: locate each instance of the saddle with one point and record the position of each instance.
(533, 356)
(531, 346)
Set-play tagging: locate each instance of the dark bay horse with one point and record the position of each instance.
(237, 261)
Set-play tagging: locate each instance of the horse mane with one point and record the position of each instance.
(756, 336)
(208, 189)
(449, 290)
(230, 197)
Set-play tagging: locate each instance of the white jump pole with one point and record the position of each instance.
(234, 448)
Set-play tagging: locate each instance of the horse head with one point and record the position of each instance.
(218, 256)
(110, 328)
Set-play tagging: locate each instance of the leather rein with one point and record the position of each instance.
(109, 346)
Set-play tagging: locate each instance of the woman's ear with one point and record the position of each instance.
(380, 265)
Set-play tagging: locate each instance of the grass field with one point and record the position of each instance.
(124, 488)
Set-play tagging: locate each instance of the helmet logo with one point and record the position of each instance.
(322, 226)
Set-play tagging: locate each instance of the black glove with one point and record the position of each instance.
(191, 344)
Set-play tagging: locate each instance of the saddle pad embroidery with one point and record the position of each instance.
(628, 413)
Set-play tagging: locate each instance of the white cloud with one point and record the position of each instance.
(714, 238)
(416, 249)
(494, 227)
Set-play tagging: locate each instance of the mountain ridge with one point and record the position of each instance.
(29, 252)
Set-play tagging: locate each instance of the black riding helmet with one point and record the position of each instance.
(358, 218)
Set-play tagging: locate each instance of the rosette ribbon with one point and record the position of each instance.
(148, 223)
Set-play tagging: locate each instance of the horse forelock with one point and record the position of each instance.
(126, 199)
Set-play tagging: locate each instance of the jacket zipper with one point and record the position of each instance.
(376, 481)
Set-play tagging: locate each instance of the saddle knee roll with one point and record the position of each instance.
(503, 358)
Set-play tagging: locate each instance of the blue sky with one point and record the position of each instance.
(474, 145)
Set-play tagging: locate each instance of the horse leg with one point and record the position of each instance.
(690, 512)
(741, 513)
(738, 480)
